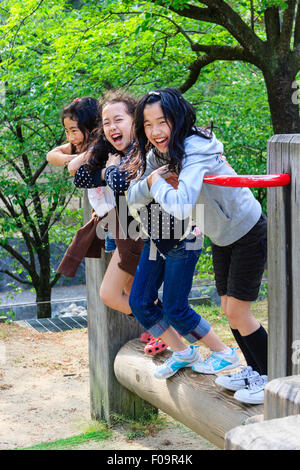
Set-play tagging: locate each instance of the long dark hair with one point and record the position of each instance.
(100, 146)
(181, 116)
(86, 113)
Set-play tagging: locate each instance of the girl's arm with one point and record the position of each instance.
(61, 155)
(138, 193)
(180, 202)
(77, 162)
(89, 179)
(115, 178)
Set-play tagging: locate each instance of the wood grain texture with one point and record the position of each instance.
(276, 434)
(282, 397)
(278, 258)
(191, 398)
(295, 221)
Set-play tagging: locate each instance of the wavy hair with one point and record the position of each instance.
(86, 113)
(100, 146)
(181, 116)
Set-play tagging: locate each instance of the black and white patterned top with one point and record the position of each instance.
(161, 226)
(88, 179)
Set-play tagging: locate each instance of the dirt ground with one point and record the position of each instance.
(44, 395)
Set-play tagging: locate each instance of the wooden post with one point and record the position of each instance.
(281, 427)
(275, 434)
(108, 331)
(284, 257)
(282, 397)
(191, 398)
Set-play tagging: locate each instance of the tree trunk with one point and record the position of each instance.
(43, 289)
(283, 101)
(43, 301)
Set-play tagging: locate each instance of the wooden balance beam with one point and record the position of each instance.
(191, 398)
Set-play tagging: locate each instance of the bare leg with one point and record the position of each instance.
(239, 315)
(116, 285)
(127, 287)
(210, 340)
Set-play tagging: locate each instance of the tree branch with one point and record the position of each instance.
(213, 53)
(297, 28)
(17, 255)
(224, 52)
(252, 15)
(14, 165)
(287, 26)
(55, 279)
(57, 217)
(37, 239)
(219, 12)
(23, 21)
(27, 238)
(195, 69)
(272, 23)
(9, 206)
(16, 278)
(38, 172)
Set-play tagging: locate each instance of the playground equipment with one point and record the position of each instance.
(121, 376)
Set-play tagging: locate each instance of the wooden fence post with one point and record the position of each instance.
(284, 258)
(108, 331)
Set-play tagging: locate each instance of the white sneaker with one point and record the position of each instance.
(254, 392)
(237, 381)
(176, 362)
(217, 363)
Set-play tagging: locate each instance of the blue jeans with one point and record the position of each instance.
(176, 272)
(110, 244)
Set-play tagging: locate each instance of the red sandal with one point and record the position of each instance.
(146, 337)
(155, 346)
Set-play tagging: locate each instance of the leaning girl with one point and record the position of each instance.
(81, 120)
(233, 221)
(164, 121)
(92, 171)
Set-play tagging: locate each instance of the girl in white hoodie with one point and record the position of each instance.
(168, 142)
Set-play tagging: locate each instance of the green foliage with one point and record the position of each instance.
(141, 427)
(33, 196)
(51, 53)
(72, 442)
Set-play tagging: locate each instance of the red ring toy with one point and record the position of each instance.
(249, 181)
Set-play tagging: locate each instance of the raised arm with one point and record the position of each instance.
(138, 193)
(181, 201)
(89, 179)
(77, 162)
(61, 156)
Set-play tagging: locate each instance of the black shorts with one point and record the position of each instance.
(239, 267)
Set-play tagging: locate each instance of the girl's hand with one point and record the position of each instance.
(113, 160)
(61, 155)
(76, 163)
(173, 180)
(162, 172)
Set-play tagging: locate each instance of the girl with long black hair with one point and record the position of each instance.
(233, 220)
(163, 123)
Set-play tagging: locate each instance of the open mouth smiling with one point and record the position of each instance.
(116, 138)
(161, 141)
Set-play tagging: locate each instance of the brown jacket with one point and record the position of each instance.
(85, 244)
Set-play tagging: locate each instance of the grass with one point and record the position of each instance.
(214, 315)
(93, 431)
(142, 427)
(72, 442)
(99, 431)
